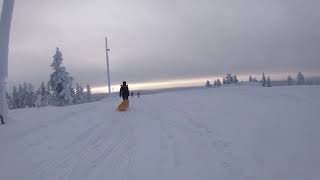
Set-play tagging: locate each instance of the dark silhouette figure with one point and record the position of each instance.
(139, 94)
(1, 118)
(124, 91)
(132, 93)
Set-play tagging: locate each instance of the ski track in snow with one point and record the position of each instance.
(179, 135)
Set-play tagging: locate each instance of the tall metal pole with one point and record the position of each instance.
(108, 66)
(5, 26)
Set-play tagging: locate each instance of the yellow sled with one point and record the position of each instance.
(123, 106)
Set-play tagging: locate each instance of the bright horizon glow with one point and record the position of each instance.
(155, 85)
(192, 82)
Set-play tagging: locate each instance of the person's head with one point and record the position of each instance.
(124, 83)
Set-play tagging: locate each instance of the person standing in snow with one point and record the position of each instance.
(139, 94)
(124, 91)
(132, 93)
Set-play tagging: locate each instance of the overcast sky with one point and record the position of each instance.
(163, 39)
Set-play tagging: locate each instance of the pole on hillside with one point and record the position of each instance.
(5, 26)
(108, 66)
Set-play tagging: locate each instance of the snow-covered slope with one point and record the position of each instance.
(231, 133)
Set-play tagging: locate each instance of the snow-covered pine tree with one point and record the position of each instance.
(229, 79)
(43, 89)
(264, 80)
(22, 96)
(300, 79)
(82, 95)
(218, 82)
(215, 83)
(88, 93)
(250, 79)
(48, 89)
(60, 82)
(38, 98)
(77, 94)
(9, 100)
(290, 81)
(268, 84)
(15, 98)
(73, 95)
(30, 96)
(25, 94)
(208, 83)
(77, 90)
(42, 96)
(235, 79)
(45, 95)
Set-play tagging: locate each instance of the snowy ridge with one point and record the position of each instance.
(193, 134)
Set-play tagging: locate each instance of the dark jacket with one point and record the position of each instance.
(124, 91)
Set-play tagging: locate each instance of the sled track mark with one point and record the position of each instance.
(50, 122)
(221, 146)
(69, 154)
(103, 146)
(84, 135)
(116, 154)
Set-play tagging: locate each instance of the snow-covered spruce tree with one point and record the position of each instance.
(24, 96)
(9, 100)
(268, 84)
(290, 81)
(42, 96)
(235, 79)
(218, 82)
(38, 98)
(21, 96)
(229, 79)
(82, 95)
(208, 83)
(79, 94)
(214, 83)
(30, 96)
(250, 79)
(15, 98)
(48, 88)
(43, 89)
(300, 79)
(60, 82)
(264, 80)
(88, 93)
(73, 95)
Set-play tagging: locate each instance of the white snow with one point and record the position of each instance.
(229, 133)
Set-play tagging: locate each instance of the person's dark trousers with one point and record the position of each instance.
(125, 98)
(1, 118)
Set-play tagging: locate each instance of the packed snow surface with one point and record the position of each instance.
(230, 133)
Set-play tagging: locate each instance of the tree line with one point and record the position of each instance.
(58, 91)
(265, 80)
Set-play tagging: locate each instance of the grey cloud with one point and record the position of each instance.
(153, 39)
